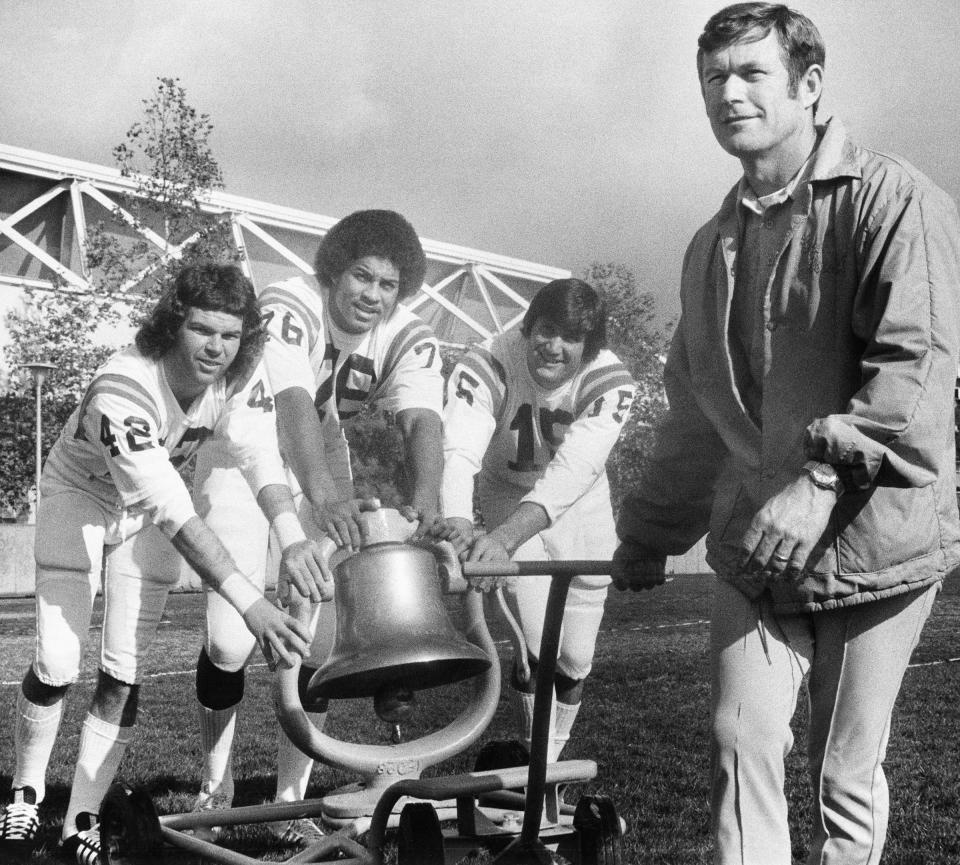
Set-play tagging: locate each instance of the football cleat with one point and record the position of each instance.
(297, 833)
(19, 820)
(85, 844)
(219, 801)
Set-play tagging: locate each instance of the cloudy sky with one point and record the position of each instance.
(559, 131)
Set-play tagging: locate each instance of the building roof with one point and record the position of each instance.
(48, 203)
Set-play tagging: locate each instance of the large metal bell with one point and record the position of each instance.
(393, 630)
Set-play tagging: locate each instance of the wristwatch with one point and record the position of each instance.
(824, 476)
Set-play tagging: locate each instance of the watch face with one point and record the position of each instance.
(824, 475)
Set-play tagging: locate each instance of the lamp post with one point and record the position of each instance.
(39, 369)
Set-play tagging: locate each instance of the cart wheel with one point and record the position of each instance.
(501, 754)
(419, 838)
(598, 831)
(129, 827)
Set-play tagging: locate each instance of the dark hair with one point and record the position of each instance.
(212, 287)
(381, 233)
(801, 44)
(575, 309)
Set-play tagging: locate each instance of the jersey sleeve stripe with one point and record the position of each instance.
(127, 389)
(598, 382)
(408, 336)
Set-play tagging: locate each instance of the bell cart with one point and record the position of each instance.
(482, 809)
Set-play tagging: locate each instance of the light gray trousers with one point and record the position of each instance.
(855, 658)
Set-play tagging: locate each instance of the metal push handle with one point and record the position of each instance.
(559, 568)
(562, 573)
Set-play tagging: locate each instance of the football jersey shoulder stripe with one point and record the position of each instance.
(286, 296)
(409, 335)
(491, 372)
(114, 384)
(598, 381)
(480, 358)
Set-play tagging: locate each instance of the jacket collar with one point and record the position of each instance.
(836, 156)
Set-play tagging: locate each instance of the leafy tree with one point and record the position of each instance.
(167, 154)
(58, 327)
(17, 451)
(168, 157)
(635, 335)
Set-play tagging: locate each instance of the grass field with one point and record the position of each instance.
(644, 721)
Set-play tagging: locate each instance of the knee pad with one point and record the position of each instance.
(216, 688)
(564, 682)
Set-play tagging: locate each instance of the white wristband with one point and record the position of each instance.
(287, 528)
(240, 593)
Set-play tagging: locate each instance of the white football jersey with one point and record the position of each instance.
(527, 442)
(394, 366)
(126, 441)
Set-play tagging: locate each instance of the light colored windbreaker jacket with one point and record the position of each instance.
(863, 314)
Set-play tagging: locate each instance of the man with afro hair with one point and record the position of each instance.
(337, 345)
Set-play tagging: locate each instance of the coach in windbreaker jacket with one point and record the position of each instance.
(810, 434)
(863, 316)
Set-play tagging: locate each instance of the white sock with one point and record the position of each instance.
(102, 746)
(293, 766)
(563, 723)
(217, 729)
(34, 736)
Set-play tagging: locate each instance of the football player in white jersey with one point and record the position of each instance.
(112, 497)
(338, 344)
(535, 412)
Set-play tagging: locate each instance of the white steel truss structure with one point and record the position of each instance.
(47, 202)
